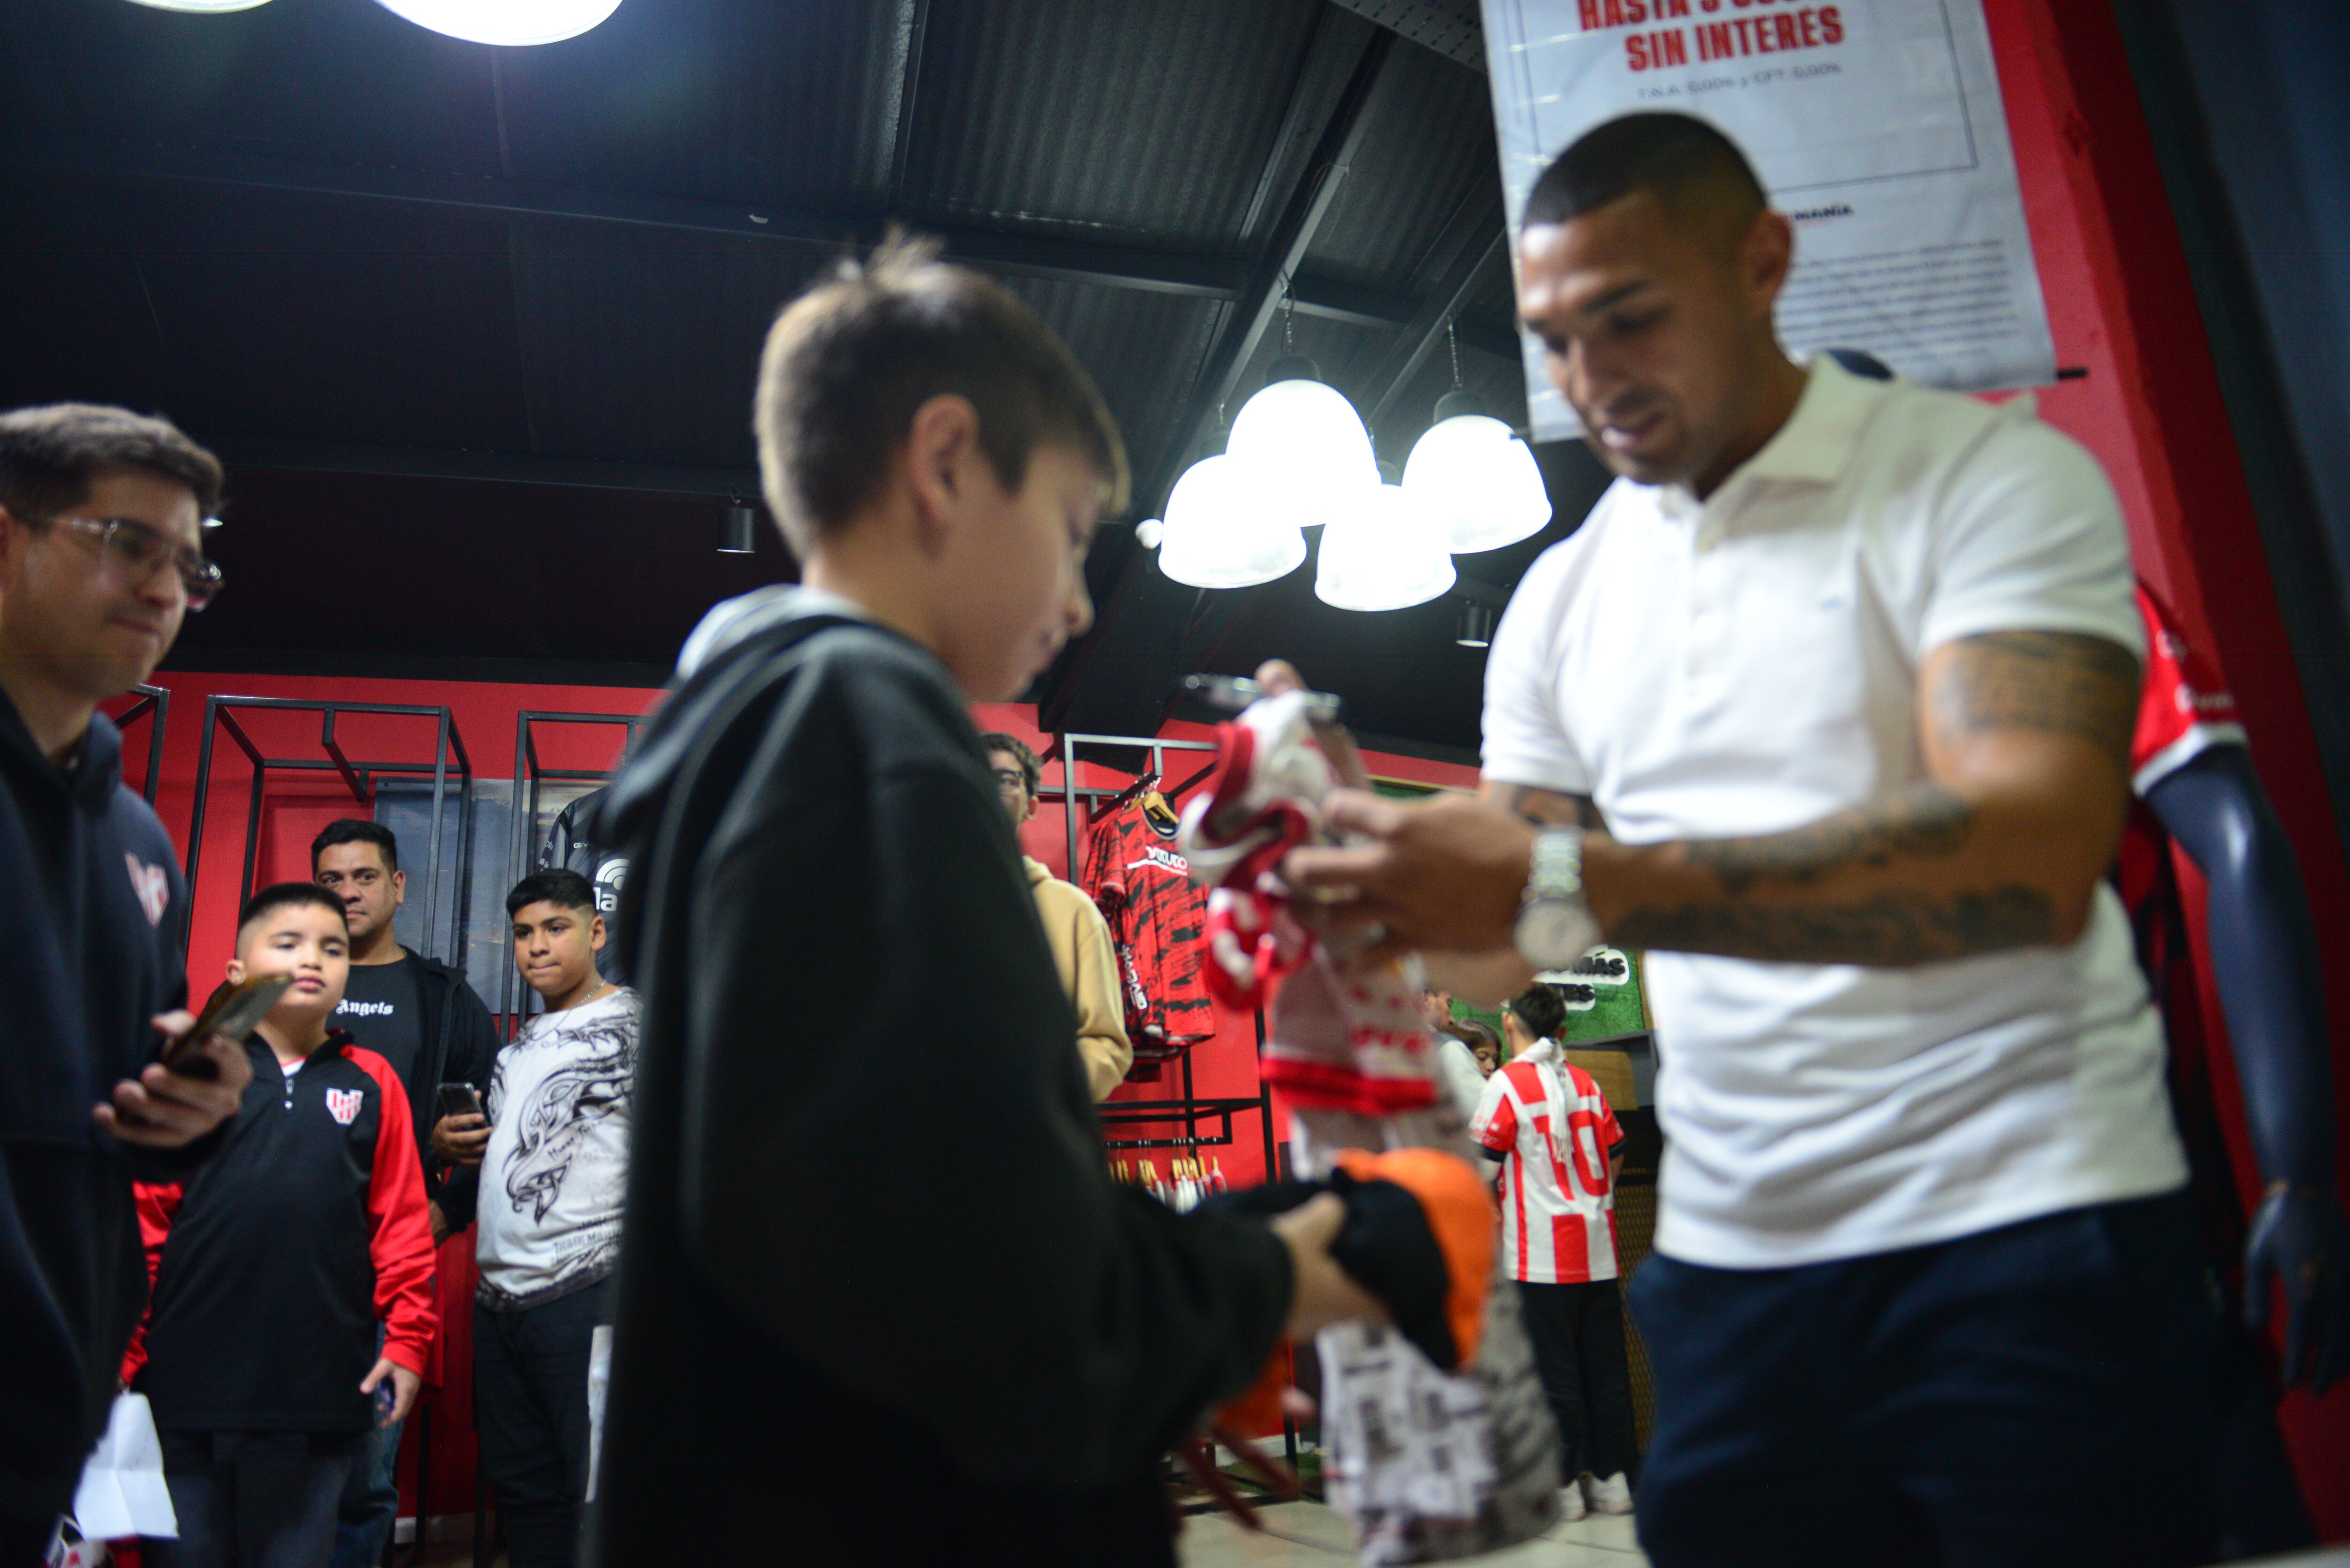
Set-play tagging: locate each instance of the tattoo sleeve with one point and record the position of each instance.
(1546, 808)
(1887, 926)
(1933, 872)
(2050, 682)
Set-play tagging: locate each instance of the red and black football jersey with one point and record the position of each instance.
(1142, 885)
(2184, 709)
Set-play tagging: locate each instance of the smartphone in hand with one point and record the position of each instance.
(235, 1010)
(460, 1100)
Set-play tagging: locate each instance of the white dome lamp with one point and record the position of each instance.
(1218, 533)
(1388, 554)
(1474, 475)
(200, 8)
(1304, 445)
(505, 22)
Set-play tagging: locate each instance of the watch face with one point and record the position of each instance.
(1552, 933)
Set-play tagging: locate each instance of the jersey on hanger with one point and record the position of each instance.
(1142, 885)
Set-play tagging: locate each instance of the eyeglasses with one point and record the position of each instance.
(139, 551)
(1011, 778)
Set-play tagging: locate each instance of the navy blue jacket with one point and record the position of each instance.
(91, 905)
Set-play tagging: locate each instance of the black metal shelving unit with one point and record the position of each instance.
(449, 750)
(529, 774)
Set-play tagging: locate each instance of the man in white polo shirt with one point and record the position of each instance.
(1839, 677)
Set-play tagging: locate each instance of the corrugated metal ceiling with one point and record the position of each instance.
(314, 229)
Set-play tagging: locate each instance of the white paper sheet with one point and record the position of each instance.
(1876, 124)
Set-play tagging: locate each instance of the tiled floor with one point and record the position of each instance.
(1308, 1535)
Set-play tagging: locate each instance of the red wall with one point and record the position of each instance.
(294, 806)
(2122, 307)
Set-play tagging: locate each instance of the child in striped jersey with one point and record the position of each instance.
(1547, 1122)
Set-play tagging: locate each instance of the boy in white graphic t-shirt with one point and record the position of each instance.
(1549, 1127)
(553, 1162)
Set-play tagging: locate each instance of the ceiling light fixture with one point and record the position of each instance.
(1220, 534)
(1388, 554)
(200, 8)
(1476, 626)
(1308, 456)
(211, 521)
(1474, 475)
(740, 536)
(512, 23)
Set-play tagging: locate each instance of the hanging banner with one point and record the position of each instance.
(1876, 125)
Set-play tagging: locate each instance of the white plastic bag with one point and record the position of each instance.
(122, 1492)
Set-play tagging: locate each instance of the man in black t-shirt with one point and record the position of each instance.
(422, 1018)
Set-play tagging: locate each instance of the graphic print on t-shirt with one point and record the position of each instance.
(556, 1115)
(553, 1176)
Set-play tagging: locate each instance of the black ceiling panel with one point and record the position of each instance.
(783, 102)
(643, 344)
(317, 80)
(498, 312)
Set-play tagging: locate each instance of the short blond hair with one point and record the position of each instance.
(848, 363)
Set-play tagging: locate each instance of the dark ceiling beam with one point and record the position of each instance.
(1242, 329)
(1291, 237)
(1424, 333)
(913, 24)
(500, 468)
(1195, 275)
(1119, 266)
(1450, 27)
(1332, 299)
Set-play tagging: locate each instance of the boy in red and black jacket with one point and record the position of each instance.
(275, 1263)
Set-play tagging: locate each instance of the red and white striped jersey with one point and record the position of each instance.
(1553, 1127)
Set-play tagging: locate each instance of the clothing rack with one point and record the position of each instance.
(1189, 1109)
(521, 852)
(154, 705)
(359, 777)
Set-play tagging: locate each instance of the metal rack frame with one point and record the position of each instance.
(220, 713)
(154, 705)
(1190, 1109)
(523, 814)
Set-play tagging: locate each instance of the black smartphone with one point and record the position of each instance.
(460, 1100)
(235, 1009)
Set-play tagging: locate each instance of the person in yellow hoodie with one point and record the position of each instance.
(1080, 938)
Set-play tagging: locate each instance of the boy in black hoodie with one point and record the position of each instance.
(878, 1298)
(101, 538)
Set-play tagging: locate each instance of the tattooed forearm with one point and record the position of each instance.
(1739, 916)
(1929, 821)
(1543, 807)
(1890, 927)
(2026, 735)
(2047, 682)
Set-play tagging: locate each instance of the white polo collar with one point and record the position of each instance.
(1812, 447)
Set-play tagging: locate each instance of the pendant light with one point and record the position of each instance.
(1387, 554)
(1219, 532)
(1474, 475)
(1302, 443)
(739, 534)
(200, 8)
(506, 21)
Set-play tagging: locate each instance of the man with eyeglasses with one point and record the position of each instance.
(1082, 950)
(101, 520)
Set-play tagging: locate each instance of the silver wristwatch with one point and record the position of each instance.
(1556, 925)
